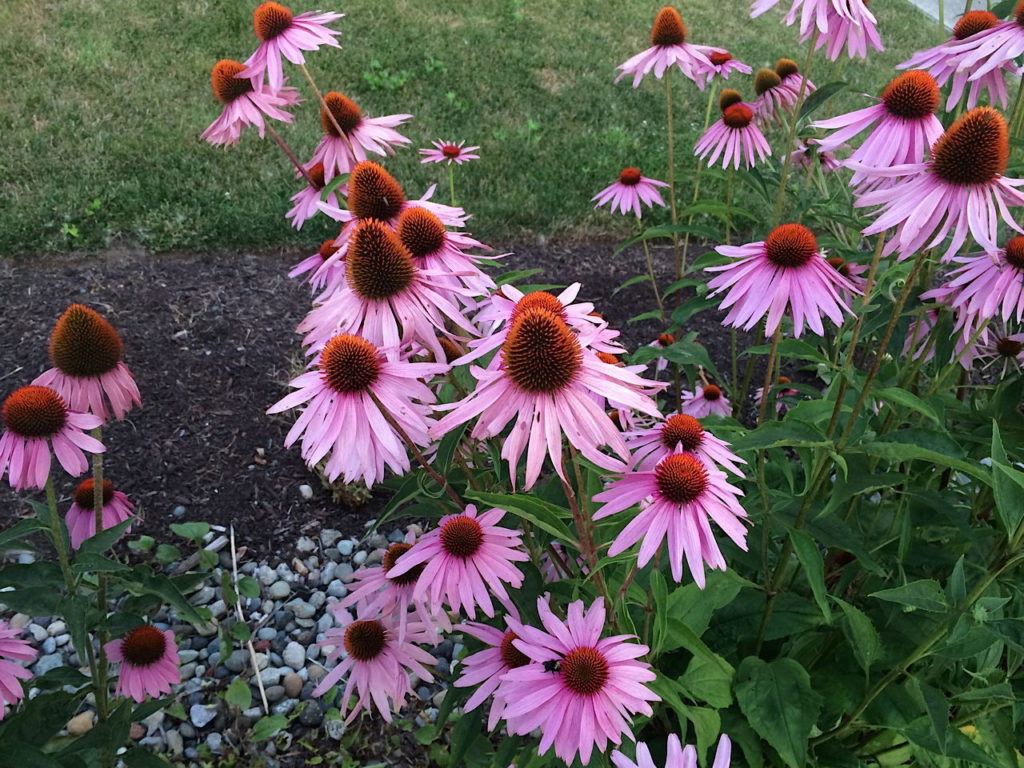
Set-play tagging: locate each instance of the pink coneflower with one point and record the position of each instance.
(149, 662)
(377, 662)
(89, 373)
(508, 303)
(670, 49)
(579, 689)
(807, 152)
(791, 78)
(81, 516)
(723, 64)
(852, 271)
(943, 62)
(991, 49)
(677, 757)
(783, 391)
(706, 400)
(920, 342)
(987, 285)
(386, 297)
(13, 649)
(485, 669)
(664, 341)
(342, 419)
(786, 270)
(37, 419)
(281, 33)
(319, 268)
(680, 433)
(339, 153)
(378, 591)
(734, 136)
(903, 125)
(1003, 350)
(546, 383)
(449, 152)
(621, 412)
(244, 103)
(631, 189)
(466, 558)
(961, 189)
(677, 499)
(306, 202)
(444, 252)
(774, 99)
(850, 25)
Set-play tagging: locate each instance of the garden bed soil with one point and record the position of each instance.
(210, 338)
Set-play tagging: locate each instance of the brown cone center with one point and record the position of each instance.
(345, 111)
(373, 193)
(270, 20)
(349, 363)
(462, 536)
(143, 646)
(391, 556)
(34, 411)
(912, 95)
(511, 656)
(974, 150)
(737, 116)
(364, 640)
(681, 478)
(668, 28)
(1014, 252)
(630, 176)
(584, 671)
(84, 493)
(682, 429)
(83, 343)
(765, 80)
(420, 231)
(541, 353)
(226, 86)
(377, 265)
(973, 22)
(790, 245)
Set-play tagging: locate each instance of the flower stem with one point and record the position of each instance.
(320, 98)
(417, 453)
(654, 280)
(669, 119)
(57, 534)
(290, 154)
(769, 374)
(100, 683)
(712, 92)
(451, 182)
(780, 196)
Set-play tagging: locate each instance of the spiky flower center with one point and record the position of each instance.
(327, 249)
(584, 671)
(682, 429)
(712, 392)
(84, 494)
(538, 300)
(912, 95)
(377, 265)
(461, 536)
(420, 231)
(668, 28)
(511, 656)
(34, 411)
(349, 363)
(666, 340)
(765, 80)
(226, 86)
(737, 116)
(973, 150)
(630, 176)
(144, 646)
(1018, 13)
(681, 478)
(790, 245)
(786, 68)
(541, 353)
(316, 175)
(839, 264)
(389, 559)
(451, 151)
(973, 22)
(270, 20)
(718, 58)
(1009, 347)
(83, 343)
(373, 193)
(346, 113)
(609, 358)
(365, 639)
(728, 97)
(1014, 252)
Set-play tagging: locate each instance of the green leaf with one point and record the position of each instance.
(820, 96)
(140, 757)
(907, 400)
(104, 540)
(167, 554)
(860, 634)
(268, 727)
(814, 568)
(545, 516)
(12, 536)
(659, 589)
(780, 705)
(465, 732)
(193, 531)
(238, 694)
(781, 434)
(142, 544)
(923, 594)
(1007, 486)
(935, 705)
(94, 563)
(143, 581)
(705, 680)
(248, 586)
(895, 449)
(58, 678)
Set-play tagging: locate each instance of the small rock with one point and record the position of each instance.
(345, 547)
(46, 663)
(38, 633)
(294, 655)
(80, 724)
(153, 722)
(21, 620)
(396, 536)
(311, 715)
(438, 698)
(218, 609)
(292, 684)
(305, 492)
(306, 545)
(337, 589)
(271, 676)
(301, 609)
(236, 661)
(334, 728)
(267, 575)
(215, 742)
(275, 693)
(359, 558)
(344, 571)
(137, 731)
(49, 645)
(423, 692)
(57, 628)
(201, 716)
(178, 511)
(203, 596)
(175, 744)
(328, 536)
(266, 633)
(279, 590)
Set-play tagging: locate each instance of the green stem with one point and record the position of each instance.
(654, 280)
(712, 92)
(57, 534)
(680, 264)
(451, 182)
(769, 374)
(780, 196)
(100, 683)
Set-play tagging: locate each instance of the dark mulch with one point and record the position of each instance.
(210, 340)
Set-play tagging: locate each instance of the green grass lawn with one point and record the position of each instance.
(103, 102)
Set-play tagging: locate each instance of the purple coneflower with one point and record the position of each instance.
(629, 191)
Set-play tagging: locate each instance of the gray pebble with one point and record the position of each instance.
(345, 547)
(275, 693)
(294, 655)
(328, 536)
(267, 575)
(279, 590)
(337, 589)
(201, 716)
(311, 715)
(305, 492)
(305, 544)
